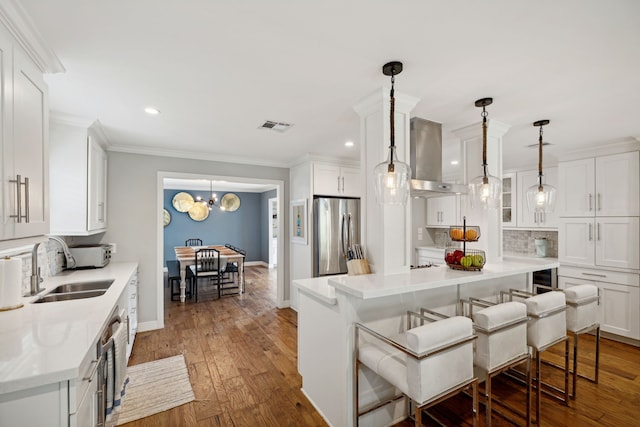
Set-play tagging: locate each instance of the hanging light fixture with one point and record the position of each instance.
(392, 177)
(541, 197)
(213, 198)
(485, 190)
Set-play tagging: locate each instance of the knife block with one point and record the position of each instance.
(356, 267)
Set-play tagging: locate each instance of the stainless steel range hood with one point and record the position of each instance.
(425, 145)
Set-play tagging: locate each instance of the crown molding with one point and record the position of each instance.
(22, 28)
(213, 157)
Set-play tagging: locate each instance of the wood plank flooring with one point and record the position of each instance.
(241, 352)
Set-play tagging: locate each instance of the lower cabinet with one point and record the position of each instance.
(132, 289)
(619, 307)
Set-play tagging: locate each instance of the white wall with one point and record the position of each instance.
(300, 259)
(132, 192)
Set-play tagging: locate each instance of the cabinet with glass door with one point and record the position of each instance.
(509, 212)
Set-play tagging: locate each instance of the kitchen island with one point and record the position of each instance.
(329, 306)
(48, 350)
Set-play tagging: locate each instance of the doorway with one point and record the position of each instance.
(242, 182)
(273, 232)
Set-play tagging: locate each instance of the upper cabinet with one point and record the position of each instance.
(24, 142)
(333, 180)
(526, 218)
(78, 179)
(509, 202)
(442, 211)
(601, 186)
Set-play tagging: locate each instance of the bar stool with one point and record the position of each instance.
(582, 317)
(501, 345)
(546, 328)
(427, 363)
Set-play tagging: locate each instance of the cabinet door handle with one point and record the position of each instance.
(18, 214)
(590, 232)
(599, 202)
(93, 371)
(590, 199)
(343, 184)
(598, 231)
(338, 184)
(594, 275)
(543, 217)
(101, 212)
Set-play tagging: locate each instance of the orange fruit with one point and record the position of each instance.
(456, 234)
(471, 234)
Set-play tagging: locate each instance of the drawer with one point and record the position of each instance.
(630, 279)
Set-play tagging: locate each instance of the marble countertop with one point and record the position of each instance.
(46, 343)
(375, 286)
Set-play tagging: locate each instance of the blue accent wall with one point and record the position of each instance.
(243, 228)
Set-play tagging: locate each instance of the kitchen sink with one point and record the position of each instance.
(82, 286)
(69, 296)
(76, 290)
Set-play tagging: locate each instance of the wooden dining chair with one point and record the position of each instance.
(208, 265)
(193, 242)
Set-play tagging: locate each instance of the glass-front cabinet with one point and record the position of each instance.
(509, 200)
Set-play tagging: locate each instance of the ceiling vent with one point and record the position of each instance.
(277, 126)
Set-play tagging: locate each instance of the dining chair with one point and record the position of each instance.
(193, 242)
(208, 265)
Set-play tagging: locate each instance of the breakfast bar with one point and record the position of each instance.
(329, 307)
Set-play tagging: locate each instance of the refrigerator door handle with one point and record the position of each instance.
(342, 236)
(349, 232)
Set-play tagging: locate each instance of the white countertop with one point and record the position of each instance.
(374, 285)
(45, 343)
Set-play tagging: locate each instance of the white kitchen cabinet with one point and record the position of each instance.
(442, 211)
(24, 144)
(509, 200)
(78, 179)
(334, 180)
(526, 218)
(600, 242)
(619, 306)
(601, 186)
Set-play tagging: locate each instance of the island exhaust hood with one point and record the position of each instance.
(425, 145)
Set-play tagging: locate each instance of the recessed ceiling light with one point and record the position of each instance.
(152, 111)
(454, 162)
(349, 144)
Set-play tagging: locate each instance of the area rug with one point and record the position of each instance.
(155, 387)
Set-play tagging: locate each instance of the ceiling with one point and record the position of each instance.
(217, 70)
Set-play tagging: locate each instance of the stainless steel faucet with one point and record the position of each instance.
(36, 279)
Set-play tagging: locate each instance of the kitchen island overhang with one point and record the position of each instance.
(329, 307)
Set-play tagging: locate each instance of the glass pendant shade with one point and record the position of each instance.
(485, 192)
(392, 180)
(541, 198)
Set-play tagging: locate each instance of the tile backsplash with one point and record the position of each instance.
(50, 260)
(522, 242)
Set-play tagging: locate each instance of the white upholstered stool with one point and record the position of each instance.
(546, 328)
(501, 345)
(427, 363)
(582, 317)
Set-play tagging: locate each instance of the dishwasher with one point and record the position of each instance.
(91, 409)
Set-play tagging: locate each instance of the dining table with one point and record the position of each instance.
(186, 256)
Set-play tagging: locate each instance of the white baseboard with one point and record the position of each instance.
(259, 263)
(149, 326)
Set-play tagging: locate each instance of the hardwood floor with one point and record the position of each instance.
(241, 352)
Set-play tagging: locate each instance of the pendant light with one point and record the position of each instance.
(392, 177)
(485, 190)
(541, 197)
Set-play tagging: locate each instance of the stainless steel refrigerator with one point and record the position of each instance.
(336, 226)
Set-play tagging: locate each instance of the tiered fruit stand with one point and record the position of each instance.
(464, 259)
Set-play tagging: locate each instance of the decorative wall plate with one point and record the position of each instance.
(182, 202)
(230, 202)
(167, 217)
(199, 212)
